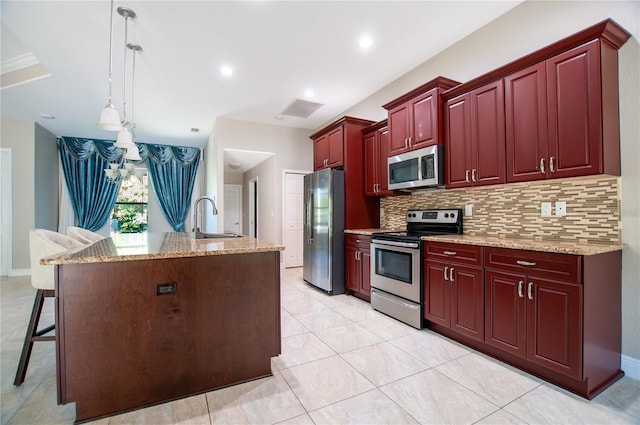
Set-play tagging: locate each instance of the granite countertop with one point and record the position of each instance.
(574, 248)
(368, 232)
(150, 246)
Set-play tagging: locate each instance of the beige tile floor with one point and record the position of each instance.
(341, 363)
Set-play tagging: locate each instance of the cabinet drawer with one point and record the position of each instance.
(558, 266)
(359, 241)
(457, 253)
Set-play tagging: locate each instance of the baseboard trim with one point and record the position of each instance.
(630, 366)
(19, 272)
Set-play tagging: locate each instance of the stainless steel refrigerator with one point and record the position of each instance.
(324, 230)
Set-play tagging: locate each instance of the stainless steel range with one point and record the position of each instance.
(396, 263)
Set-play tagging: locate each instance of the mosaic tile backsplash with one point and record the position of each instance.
(513, 210)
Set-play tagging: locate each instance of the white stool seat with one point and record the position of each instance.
(83, 235)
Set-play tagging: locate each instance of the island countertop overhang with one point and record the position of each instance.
(151, 246)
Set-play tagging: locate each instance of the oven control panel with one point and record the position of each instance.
(434, 216)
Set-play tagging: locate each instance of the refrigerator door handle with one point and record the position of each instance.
(309, 213)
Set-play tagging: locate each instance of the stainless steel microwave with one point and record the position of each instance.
(420, 168)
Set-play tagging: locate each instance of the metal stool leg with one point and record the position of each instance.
(33, 334)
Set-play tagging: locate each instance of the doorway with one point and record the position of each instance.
(6, 259)
(233, 208)
(253, 207)
(293, 217)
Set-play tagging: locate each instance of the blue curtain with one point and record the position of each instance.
(172, 170)
(173, 173)
(92, 194)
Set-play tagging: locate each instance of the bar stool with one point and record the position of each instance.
(42, 243)
(85, 236)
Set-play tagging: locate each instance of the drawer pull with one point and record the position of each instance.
(526, 263)
(449, 252)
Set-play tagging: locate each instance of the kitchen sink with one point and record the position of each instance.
(201, 235)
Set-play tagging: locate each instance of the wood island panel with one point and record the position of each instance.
(121, 346)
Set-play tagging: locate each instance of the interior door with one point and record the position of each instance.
(233, 208)
(294, 220)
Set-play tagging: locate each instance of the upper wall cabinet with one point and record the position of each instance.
(376, 147)
(415, 119)
(560, 113)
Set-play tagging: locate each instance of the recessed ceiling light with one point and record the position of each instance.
(365, 42)
(48, 116)
(308, 93)
(226, 70)
(195, 130)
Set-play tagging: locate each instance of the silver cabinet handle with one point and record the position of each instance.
(551, 165)
(406, 142)
(529, 290)
(526, 263)
(446, 270)
(451, 274)
(409, 141)
(542, 165)
(449, 253)
(473, 175)
(520, 294)
(466, 176)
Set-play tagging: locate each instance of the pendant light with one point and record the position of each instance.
(124, 139)
(109, 118)
(132, 152)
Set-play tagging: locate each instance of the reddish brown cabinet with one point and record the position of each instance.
(376, 148)
(454, 288)
(415, 119)
(555, 123)
(344, 146)
(358, 265)
(474, 137)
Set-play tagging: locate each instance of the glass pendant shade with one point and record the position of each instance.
(132, 153)
(109, 119)
(124, 139)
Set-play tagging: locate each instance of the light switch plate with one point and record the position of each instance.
(468, 210)
(561, 208)
(545, 209)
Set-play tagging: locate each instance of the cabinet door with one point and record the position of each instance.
(487, 135)
(398, 132)
(437, 293)
(352, 267)
(335, 140)
(575, 111)
(505, 317)
(457, 144)
(467, 301)
(554, 325)
(423, 120)
(320, 152)
(526, 124)
(383, 170)
(371, 164)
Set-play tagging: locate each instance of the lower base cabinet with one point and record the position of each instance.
(555, 316)
(357, 252)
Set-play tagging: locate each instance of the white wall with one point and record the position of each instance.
(524, 29)
(292, 149)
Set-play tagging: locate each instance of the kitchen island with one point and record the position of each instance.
(163, 318)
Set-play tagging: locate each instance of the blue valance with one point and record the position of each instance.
(172, 170)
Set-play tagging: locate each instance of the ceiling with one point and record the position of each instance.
(57, 52)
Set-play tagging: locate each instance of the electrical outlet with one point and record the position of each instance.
(545, 209)
(468, 210)
(561, 208)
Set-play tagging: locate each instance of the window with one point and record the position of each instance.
(130, 212)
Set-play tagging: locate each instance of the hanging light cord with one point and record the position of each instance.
(124, 95)
(110, 51)
(133, 94)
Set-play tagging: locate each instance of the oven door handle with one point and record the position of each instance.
(415, 245)
(407, 305)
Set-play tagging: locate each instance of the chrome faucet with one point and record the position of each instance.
(195, 232)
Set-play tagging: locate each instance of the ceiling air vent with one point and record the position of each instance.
(301, 108)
